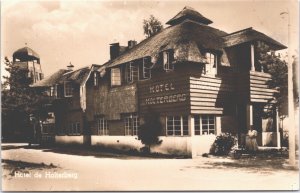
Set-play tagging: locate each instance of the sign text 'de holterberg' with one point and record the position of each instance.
(164, 88)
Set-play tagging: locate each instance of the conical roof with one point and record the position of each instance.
(189, 13)
(25, 53)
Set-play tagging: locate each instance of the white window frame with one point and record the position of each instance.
(209, 68)
(199, 128)
(74, 128)
(53, 91)
(168, 66)
(132, 71)
(131, 125)
(102, 126)
(146, 69)
(115, 74)
(96, 78)
(184, 130)
(68, 89)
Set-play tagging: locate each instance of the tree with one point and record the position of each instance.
(150, 130)
(277, 67)
(19, 100)
(151, 26)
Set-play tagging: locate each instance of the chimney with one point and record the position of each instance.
(70, 67)
(114, 50)
(131, 43)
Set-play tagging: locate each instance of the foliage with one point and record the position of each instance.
(278, 68)
(149, 131)
(223, 144)
(151, 26)
(19, 100)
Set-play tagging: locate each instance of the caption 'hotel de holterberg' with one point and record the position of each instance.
(201, 81)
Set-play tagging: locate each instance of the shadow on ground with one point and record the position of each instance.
(94, 151)
(264, 162)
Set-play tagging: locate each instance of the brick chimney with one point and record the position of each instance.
(116, 50)
(131, 43)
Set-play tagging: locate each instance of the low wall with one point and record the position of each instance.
(202, 144)
(269, 139)
(66, 140)
(170, 145)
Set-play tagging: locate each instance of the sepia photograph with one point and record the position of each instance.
(183, 95)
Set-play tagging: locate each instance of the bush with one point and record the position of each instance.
(223, 144)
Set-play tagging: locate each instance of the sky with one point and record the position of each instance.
(80, 31)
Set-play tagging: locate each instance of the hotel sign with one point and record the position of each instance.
(164, 91)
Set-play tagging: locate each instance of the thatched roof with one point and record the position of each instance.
(50, 80)
(25, 53)
(189, 13)
(187, 39)
(78, 76)
(249, 35)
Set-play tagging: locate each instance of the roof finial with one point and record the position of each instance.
(70, 66)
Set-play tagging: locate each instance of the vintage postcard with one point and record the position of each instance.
(149, 95)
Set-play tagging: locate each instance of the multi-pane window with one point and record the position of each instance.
(211, 65)
(177, 125)
(115, 77)
(68, 89)
(102, 126)
(95, 79)
(167, 60)
(131, 124)
(205, 124)
(132, 72)
(74, 129)
(147, 67)
(53, 91)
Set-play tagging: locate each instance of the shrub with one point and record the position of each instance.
(223, 144)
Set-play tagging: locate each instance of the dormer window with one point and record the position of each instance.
(211, 65)
(132, 72)
(147, 68)
(115, 76)
(68, 87)
(167, 60)
(96, 78)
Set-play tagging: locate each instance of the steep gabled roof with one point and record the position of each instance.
(191, 14)
(248, 35)
(78, 76)
(50, 80)
(186, 39)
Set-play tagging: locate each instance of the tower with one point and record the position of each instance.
(28, 59)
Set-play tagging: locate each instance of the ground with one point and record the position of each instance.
(57, 169)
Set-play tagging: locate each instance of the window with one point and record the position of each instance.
(147, 68)
(167, 60)
(102, 126)
(53, 90)
(177, 125)
(95, 79)
(132, 72)
(68, 89)
(115, 77)
(74, 129)
(131, 124)
(205, 124)
(211, 65)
